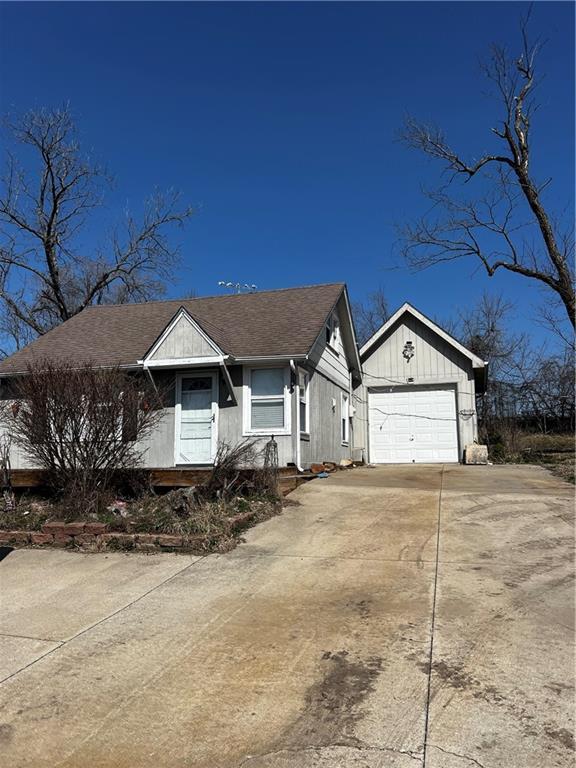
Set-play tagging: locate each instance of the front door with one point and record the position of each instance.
(195, 419)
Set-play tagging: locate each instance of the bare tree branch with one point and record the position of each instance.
(370, 315)
(494, 227)
(46, 276)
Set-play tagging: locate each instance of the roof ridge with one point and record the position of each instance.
(215, 296)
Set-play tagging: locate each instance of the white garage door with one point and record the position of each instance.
(417, 425)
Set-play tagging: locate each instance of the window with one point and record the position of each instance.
(266, 396)
(345, 417)
(332, 332)
(303, 381)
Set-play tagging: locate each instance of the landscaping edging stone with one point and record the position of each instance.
(96, 537)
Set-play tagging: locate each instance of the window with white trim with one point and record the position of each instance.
(345, 417)
(303, 401)
(266, 400)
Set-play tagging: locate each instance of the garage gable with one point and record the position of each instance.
(411, 346)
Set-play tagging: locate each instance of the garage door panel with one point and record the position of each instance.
(413, 426)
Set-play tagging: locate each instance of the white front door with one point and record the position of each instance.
(417, 425)
(195, 418)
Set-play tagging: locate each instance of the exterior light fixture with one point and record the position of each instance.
(408, 351)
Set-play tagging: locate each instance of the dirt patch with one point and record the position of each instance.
(333, 704)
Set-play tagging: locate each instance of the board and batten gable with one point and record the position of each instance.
(183, 338)
(435, 361)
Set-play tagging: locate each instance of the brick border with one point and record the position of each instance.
(96, 537)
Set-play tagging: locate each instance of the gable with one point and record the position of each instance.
(433, 356)
(183, 338)
(335, 353)
(407, 310)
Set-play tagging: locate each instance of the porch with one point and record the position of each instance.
(165, 478)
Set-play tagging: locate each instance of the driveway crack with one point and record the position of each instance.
(433, 623)
(456, 754)
(319, 748)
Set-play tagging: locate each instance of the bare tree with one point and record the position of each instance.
(46, 276)
(528, 385)
(483, 330)
(507, 226)
(544, 386)
(80, 424)
(370, 315)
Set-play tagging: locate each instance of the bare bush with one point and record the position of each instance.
(6, 473)
(225, 478)
(80, 424)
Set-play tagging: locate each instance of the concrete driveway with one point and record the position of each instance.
(396, 617)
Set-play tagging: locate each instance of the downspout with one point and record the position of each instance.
(297, 458)
(351, 436)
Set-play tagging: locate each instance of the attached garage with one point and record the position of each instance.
(417, 400)
(413, 425)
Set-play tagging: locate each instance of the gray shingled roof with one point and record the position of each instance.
(266, 323)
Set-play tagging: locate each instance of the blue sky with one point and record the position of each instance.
(278, 121)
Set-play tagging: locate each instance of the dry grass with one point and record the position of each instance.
(546, 443)
(30, 514)
(183, 513)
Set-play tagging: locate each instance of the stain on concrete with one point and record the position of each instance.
(456, 677)
(6, 733)
(557, 688)
(563, 736)
(333, 704)
(452, 674)
(363, 608)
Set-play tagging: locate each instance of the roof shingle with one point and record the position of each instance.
(262, 324)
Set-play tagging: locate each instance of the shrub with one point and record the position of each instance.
(82, 425)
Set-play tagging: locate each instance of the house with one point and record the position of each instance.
(282, 363)
(279, 363)
(416, 402)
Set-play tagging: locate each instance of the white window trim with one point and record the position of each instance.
(247, 403)
(178, 415)
(301, 372)
(345, 417)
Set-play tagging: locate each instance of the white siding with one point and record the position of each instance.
(183, 340)
(332, 361)
(160, 451)
(435, 361)
(324, 442)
